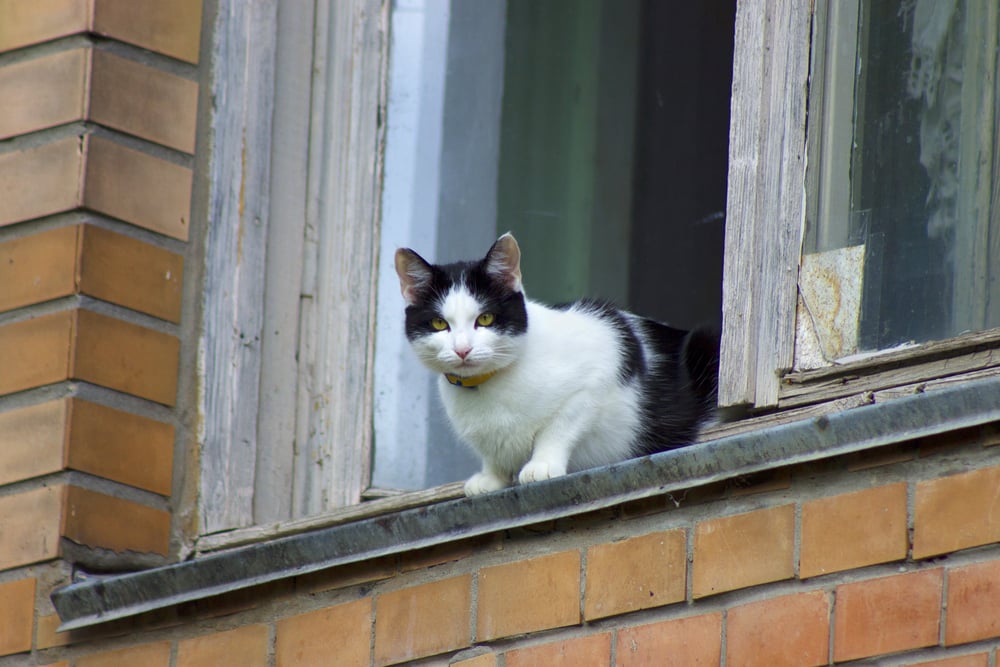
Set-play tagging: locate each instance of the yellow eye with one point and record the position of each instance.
(485, 320)
(439, 324)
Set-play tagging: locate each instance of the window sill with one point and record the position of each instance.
(894, 372)
(873, 379)
(820, 437)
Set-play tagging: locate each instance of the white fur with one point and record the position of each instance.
(555, 404)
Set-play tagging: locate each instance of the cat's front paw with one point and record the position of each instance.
(483, 482)
(536, 471)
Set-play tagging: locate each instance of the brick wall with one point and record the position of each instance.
(98, 125)
(894, 558)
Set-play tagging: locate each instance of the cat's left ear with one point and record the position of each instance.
(414, 274)
(503, 262)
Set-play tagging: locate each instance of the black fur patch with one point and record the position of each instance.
(679, 391)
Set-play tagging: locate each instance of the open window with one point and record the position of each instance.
(860, 212)
(595, 132)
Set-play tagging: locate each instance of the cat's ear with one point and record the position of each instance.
(503, 262)
(414, 274)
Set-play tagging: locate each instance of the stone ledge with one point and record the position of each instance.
(120, 596)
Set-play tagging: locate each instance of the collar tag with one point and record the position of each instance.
(468, 382)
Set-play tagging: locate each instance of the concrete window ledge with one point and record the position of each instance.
(109, 598)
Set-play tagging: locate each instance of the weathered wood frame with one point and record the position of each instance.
(235, 260)
(271, 447)
(765, 210)
(337, 325)
(765, 223)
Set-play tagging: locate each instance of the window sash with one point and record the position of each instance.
(252, 470)
(765, 208)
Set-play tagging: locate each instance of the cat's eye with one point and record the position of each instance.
(485, 320)
(439, 324)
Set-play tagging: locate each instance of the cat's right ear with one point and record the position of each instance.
(414, 275)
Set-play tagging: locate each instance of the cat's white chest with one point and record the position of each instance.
(498, 422)
(562, 392)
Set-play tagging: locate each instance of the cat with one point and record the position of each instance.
(540, 391)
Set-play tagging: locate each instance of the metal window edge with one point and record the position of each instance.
(94, 601)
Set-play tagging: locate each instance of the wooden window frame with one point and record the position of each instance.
(270, 446)
(766, 196)
(275, 188)
(768, 202)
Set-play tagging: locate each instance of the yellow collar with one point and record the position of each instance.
(469, 382)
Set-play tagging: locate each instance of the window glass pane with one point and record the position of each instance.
(911, 180)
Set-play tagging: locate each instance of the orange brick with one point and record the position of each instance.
(147, 655)
(127, 357)
(312, 638)
(246, 647)
(425, 620)
(40, 181)
(41, 20)
(743, 550)
(144, 101)
(636, 573)
(36, 352)
(696, 640)
(973, 603)
(957, 512)
(484, 660)
(121, 446)
(17, 614)
(31, 524)
(87, 346)
(529, 595)
(790, 630)
(46, 634)
(974, 660)
(885, 615)
(62, 663)
(46, 438)
(131, 273)
(99, 520)
(90, 260)
(43, 92)
(38, 268)
(32, 441)
(853, 530)
(592, 651)
(173, 29)
(137, 187)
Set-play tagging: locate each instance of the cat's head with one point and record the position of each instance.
(467, 318)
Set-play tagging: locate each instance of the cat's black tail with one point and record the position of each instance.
(700, 355)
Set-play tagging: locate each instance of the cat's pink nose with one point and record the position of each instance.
(463, 352)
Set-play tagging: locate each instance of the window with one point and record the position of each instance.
(905, 210)
(575, 156)
(598, 133)
(897, 222)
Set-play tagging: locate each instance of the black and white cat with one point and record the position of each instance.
(541, 391)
